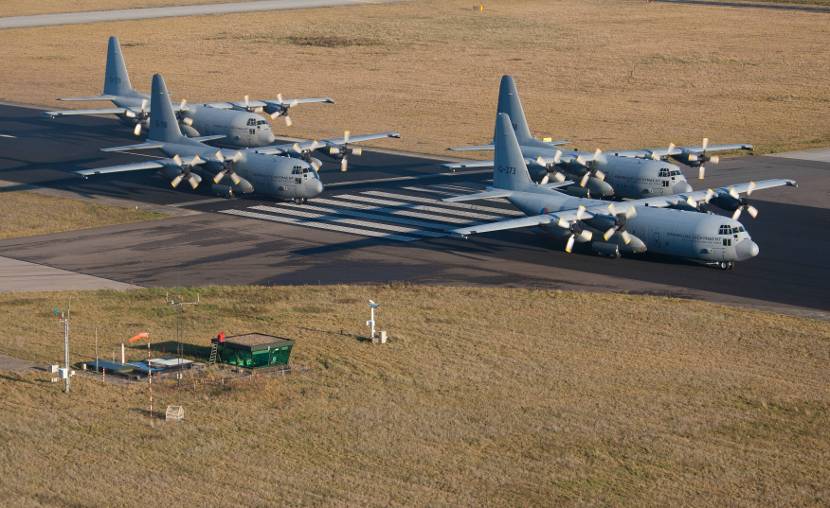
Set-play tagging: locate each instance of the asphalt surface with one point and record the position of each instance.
(752, 5)
(380, 223)
(74, 18)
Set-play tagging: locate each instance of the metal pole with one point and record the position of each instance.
(66, 351)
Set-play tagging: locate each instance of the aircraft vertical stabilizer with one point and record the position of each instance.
(116, 79)
(511, 105)
(163, 124)
(510, 171)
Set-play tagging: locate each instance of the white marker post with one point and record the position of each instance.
(371, 322)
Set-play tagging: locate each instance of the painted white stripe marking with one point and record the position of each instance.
(405, 178)
(426, 208)
(374, 216)
(8, 136)
(336, 220)
(319, 225)
(325, 215)
(430, 191)
(394, 211)
(490, 209)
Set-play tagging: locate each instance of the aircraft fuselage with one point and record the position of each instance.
(701, 237)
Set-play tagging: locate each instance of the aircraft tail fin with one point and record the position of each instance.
(510, 171)
(511, 105)
(116, 79)
(163, 124)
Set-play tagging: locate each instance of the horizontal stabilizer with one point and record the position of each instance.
(473, 148)
(492, 194)
(90, 98)
(150, 145)
(81, 112)
(208, 138)
(467, 165)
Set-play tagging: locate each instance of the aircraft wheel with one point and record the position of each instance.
(723, 265)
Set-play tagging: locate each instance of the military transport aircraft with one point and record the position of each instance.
(237, 122)
(627, 227)
(621, 173)
(283, 176)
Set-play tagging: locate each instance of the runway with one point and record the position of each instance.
(74, 18)
(383, 221)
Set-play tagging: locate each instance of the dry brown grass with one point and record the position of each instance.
(483, 397)
(606, 73)
(30, 213)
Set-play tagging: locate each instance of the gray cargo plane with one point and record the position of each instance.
(233, 171)
(237, 122)
(627, 227)
(621, 173)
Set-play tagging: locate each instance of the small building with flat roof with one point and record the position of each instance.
(253, 350)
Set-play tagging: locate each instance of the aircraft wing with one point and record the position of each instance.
(701, 195)
(312, 145)
(361, 137)
(123, 168)
(90, 98)
(256, 104)
(305, 100)
(489, 194)
(150, 145)
(78, 112)
(680, 150)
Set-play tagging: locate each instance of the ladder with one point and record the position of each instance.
(214, 353)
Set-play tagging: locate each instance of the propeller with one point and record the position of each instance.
(280, 108)
(227, 167)
(620, 220)
(344, 151)
(742, 203)
(141, 116)
(193, 179)
(559, 177)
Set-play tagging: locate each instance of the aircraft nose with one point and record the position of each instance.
(682, 187)
(316, 187)
(746, 249)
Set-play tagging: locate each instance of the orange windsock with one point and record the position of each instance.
(137, 337)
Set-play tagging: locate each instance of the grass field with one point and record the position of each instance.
(483, 397)
(30, 213)
(608, 74)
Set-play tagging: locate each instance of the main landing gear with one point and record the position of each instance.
(300, 201)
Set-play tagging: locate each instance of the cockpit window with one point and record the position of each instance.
(664, 173)
(724, 229)
(675, 172)
(261, 122)
(251, 122)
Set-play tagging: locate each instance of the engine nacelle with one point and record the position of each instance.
(602, 222)
(171, 171)
(611, 250)
(634, 246)
(244, 186)
(189, 131)
(226, 191)
(725, 201)
(599, 187)
(576, 190)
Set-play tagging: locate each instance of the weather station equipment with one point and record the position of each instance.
(377, 337)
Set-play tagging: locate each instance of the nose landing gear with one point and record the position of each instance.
(725, 265)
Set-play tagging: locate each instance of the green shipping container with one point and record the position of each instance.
(254, 350)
